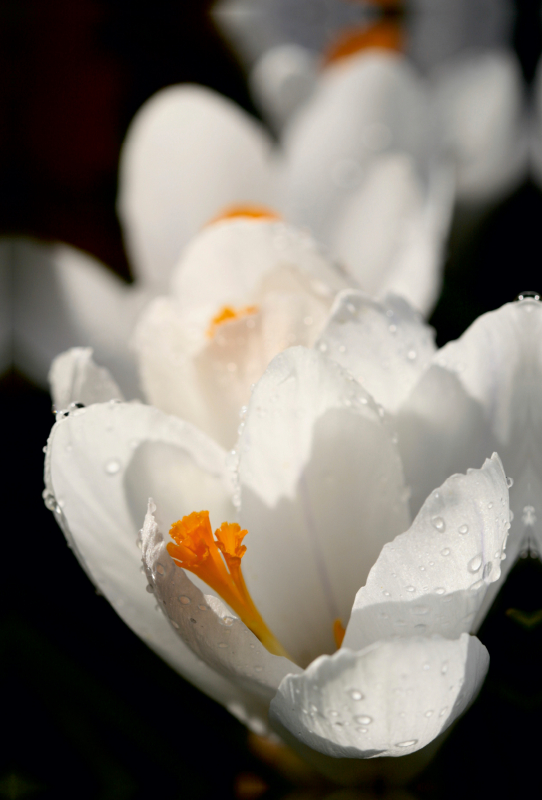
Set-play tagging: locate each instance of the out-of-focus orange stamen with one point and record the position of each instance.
(217, 561)
(386, 34)
(246, 210)
(338, 632)
(228, 314)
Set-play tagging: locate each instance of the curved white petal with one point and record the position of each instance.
(479, 106)
(282, 80)
(99, 474)
(188, 153)
(385, 235)
(362, 106)
(321, 491)
(206, 625)
(483, 393)
(204, 373)
(433, 579)
(75, 377)
(384, 345)
(65, 298)
(391, 699)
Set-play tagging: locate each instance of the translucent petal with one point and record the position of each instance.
(385, 345)
(433, 579)
(391, 699)
(189, 152)
(75, 377)
(321, 491)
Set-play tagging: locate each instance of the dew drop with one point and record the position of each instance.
(184, 600)
(313, 708)
(420, 610)
(363, 719)
(439, 524)
(355, 694)
(475, 564)
(440, 590)
(333, 713)
(201, 607)
(463, 529)
(411, 588)
(112, 467)
(429, 713)
(149, 588)
(362, 730)
(477, 585)
(227, 621)
(444, 668)
(408, 743)
(445, 552)
(487, 570)
(412, 355)
(443, 711)
(509, 482)
(222, 645)
(160, 569)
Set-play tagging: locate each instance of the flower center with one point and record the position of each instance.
(217, 561)
(246, 210)
(386, 34)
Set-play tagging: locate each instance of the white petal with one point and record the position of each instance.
(74, 377)
(206, 625)
(189, 153)
(433, 579)
(321, 492)
(226, 264)
(99, 474)
(482, 394)
(361, 107)
(479, 102)
(411, 690)
(385, 346)
(282, 79)
(58, 292)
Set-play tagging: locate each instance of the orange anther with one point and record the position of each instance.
(228, 314)
(338, 632)
(386, 34)
(246, 210)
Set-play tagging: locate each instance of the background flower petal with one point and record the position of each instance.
(75, 377)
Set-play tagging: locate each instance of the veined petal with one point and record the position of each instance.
(385, 345)
(206, 625)
(58, 290)
(75, 377)
(189, 153)
(99, 473)
(433, 579)
(479, 105)
(321, 491)
(363, 106)
(391, 699)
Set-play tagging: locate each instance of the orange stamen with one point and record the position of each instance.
(218, 563)
(247, 211)
(228, 314)
(386, 34)
(338, 632)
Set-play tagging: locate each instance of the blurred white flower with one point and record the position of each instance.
(320, 478)
(188, 155)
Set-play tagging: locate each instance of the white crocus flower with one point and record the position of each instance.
(188, 155)
(321, 480)
(244, 290)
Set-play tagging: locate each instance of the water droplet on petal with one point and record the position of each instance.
(429, 713)
(509, 482)
(475, 564)
(445, 552)
(363, 719)
(411, 588)
(222, 645)
(408, 743)
(112, 467)
(439, 524)
(184, 600)
(355, 694)
(160, 569)
(440, 590)
(463, 529)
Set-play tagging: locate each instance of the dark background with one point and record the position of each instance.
(89, 711)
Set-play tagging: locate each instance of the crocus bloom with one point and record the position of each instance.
(188, 155)
(344, 600)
